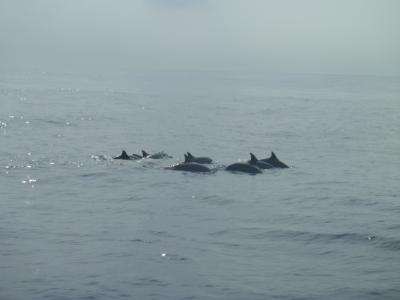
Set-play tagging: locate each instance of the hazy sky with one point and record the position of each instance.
(313, 36)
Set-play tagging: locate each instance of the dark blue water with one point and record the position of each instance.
(74, 224)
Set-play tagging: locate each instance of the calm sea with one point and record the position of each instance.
(75, 224)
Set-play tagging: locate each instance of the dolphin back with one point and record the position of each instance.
(199, 160)
(259, 163)
(158, 155)
(274, 161)
(243, 167)
(190, 167)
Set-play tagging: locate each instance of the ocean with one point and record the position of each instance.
(76, 224)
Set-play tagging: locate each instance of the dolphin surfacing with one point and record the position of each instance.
(123, 156)
(199, 159)
(244, 168)
(274, 161)
(158, 155)
(190, 167)
(259, 163)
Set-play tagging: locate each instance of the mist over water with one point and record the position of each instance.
(309, 36)
(75, 224)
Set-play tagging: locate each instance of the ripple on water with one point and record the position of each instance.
(94, 174)
(149, 282)
(307, 236)
(324, 238)
(158, 233)
(143, 241)
(101, 157)
(387, 243)
(29, 180)
(217, 200)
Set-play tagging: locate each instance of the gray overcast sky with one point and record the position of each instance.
(312, 36)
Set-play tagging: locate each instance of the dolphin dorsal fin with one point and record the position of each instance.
(190, 156)
(124, 155)
(144, 153)
(273, 160)
(253, 158)
(186, 158)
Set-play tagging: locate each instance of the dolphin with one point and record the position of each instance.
(157, 155)
(189, 167)
(244, 167)
(136, 156)
(200, 159)
(259, 163)
(273, 160)
(123, 156)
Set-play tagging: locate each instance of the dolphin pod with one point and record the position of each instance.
(197, 164)
(158, 155)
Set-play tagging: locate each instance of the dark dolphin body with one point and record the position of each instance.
(136, 156)
(123, 156)
(200, 160)
(158, 155)
(273, 160)
(189, 167)
(259, 163)
(244, 167)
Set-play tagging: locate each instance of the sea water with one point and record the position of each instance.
(76, 224)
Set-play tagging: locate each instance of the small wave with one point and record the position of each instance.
(139, 240)
(394, 227)
(29, 180)
(389, 244)
(391, 293)
(50, 122)
(96, 174)
(55, 122)
(217, 200)
(101, 157)
(31, 164)
(220, 232)
(160, 233)
(10, 167)
(174, 257)
(326, 182)
(310, 237)
(314, 237)
(149, 282)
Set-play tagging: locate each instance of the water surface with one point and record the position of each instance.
(74, 224)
